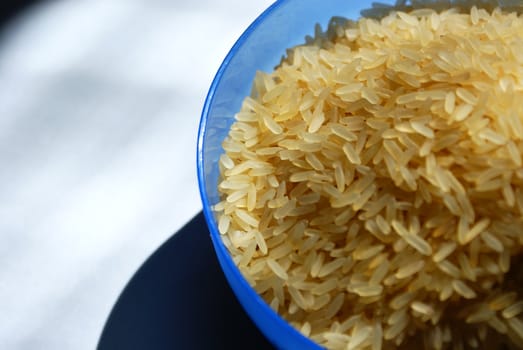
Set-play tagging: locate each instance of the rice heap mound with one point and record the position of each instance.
(372, 184)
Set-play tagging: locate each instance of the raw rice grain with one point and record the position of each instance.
(370, 185)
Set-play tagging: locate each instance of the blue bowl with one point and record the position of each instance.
(281, 26)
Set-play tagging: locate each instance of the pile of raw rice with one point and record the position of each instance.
(372, 185)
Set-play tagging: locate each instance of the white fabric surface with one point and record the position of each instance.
(99, 108)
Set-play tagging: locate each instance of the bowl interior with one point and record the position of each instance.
(281, 26)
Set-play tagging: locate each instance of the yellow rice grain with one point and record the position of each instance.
(371, 185)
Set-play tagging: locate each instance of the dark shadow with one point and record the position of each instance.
(9, 10)
(179, 299)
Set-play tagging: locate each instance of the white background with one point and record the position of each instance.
(99, 108)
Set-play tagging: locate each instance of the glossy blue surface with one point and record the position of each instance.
(283, 25)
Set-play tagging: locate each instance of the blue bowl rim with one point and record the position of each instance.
(207, 210)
